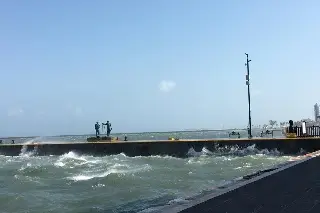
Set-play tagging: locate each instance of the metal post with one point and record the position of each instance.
(249, 100)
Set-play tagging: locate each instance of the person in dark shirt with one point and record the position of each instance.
(291, 128)
(97, 128)
(108, 124)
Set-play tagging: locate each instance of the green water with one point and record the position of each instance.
(77, 183)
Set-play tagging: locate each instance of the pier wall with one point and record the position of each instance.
(292, 189)
(173, 148)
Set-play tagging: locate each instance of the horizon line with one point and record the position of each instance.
(176, 131)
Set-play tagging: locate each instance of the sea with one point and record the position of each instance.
(74, 183)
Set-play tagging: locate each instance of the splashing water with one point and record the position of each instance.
(78, 183)
(34, 140)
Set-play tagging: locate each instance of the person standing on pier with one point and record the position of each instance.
(108, 124)
(291, 128)
(97, 128)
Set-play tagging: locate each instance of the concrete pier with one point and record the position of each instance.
(178, 148)
(294, 188)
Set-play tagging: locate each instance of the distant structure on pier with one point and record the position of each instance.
(316, 113)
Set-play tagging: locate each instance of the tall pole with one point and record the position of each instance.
(249, 100)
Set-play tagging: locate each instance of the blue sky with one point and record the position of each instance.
(155, 65)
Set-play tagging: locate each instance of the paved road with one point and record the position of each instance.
(293, 190)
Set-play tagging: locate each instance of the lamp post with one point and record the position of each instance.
(249, 101)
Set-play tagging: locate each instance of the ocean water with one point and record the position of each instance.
(208, 134)
(78, 183)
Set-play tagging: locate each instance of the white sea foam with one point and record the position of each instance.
(114, 170)
(138, 177)
(25, 153)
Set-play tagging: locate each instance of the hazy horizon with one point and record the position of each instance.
(103, 133)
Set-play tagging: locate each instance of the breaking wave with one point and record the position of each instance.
(129, 184)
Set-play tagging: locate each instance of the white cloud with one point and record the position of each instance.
(15, 112)
(167, 86)
(75, 110)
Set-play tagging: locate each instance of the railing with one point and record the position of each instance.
(269, 132)
(233, 133)
(311, 131)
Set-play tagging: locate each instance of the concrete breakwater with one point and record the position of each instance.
(179, 148)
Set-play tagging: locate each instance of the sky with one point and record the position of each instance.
(155, 65)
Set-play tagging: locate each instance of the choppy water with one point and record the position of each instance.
(77, 183)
